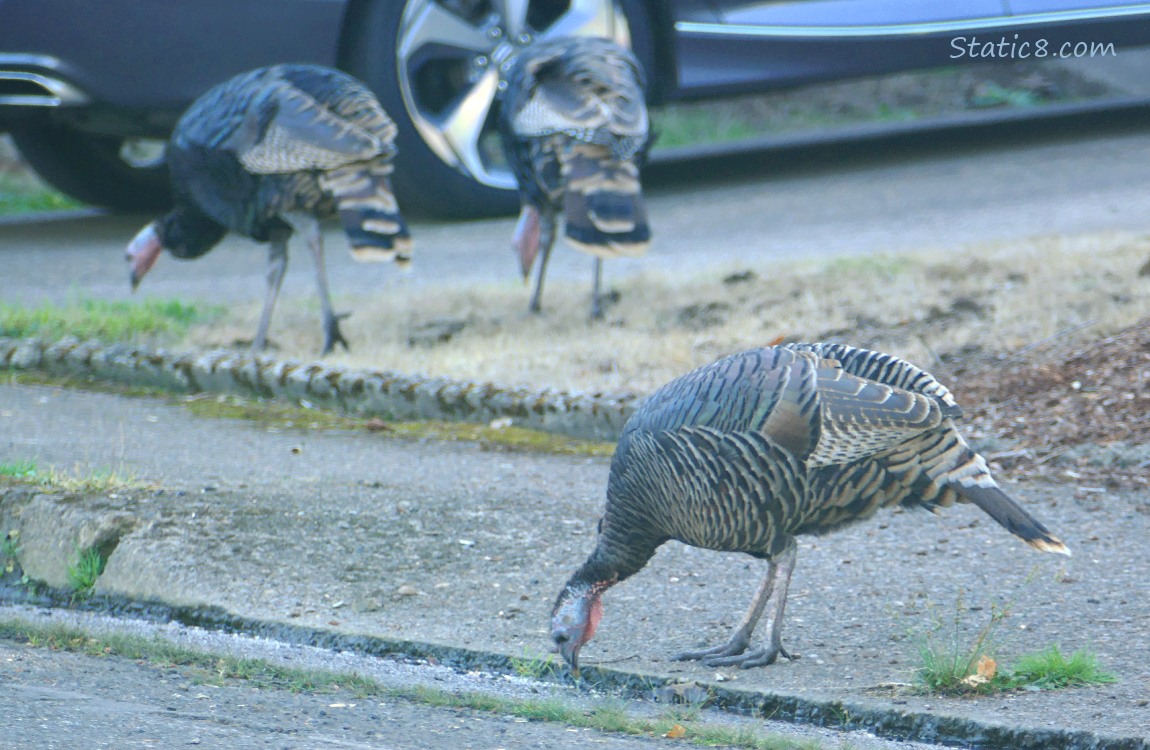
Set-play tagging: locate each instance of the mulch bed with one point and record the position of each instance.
(1050, 407)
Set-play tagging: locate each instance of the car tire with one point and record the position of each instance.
(426, 181)
(89, 168)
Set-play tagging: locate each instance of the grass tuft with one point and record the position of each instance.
(534, 665)
(1049, 670)
(18, 470)
(97, 480)
(949, 664)
(84, 572)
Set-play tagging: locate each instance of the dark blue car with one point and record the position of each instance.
(83, 84)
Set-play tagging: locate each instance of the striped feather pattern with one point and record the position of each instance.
(752, 450)
(575, 128)
(292, 139)
(786, 440)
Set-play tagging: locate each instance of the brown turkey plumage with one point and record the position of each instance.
(751, 451)
(574, 127)
(271, 152)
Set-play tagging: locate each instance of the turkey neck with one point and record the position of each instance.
(623, 548)
(188, 233)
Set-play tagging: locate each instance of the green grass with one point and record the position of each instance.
(534, 665)
(103, 320)
(98, 480)
(685, 125)
(18, 470)
(608, 715)
(21, 194)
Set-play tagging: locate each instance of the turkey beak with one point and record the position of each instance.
(569, 650)
(526, 238)
(142, 253)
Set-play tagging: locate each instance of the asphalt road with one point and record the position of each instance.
(941, 190)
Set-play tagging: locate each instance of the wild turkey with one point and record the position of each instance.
(574, 127)
(749, 452)
(271, 152)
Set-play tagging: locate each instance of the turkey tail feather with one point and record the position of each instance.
(603, 205)
(1012, 517)
(369, 212)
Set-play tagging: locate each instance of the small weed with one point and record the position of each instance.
(83, 573)
(534, 665)
(948, 664)
(10, 551)
(1049, 669)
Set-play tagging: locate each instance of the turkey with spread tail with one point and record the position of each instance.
(749, 452)
(272, 152)
(574, 127)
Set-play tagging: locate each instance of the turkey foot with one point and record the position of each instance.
(772, 598)
(332, 334)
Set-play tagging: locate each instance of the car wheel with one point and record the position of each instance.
(438, 67)
(94, 169)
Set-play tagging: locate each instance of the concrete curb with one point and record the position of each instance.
(381, 393)
(883, 722)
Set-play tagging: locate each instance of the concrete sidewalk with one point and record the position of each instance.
(455, 549)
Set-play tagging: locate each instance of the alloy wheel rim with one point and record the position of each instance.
(453, 57)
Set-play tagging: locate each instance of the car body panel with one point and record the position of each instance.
(159, 55)
(111, 71)
(756, 46)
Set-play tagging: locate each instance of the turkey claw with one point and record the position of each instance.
(332, 334)
(730, 649)
(735, 654)
(759, 657)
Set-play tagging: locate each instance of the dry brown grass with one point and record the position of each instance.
(933, 308)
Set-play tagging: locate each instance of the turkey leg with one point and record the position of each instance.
(596, 305)
(277, 266)
(546, 242)
(308, 226)
(770, 597)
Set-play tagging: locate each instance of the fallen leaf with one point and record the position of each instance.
(984, 673)
(987, 667)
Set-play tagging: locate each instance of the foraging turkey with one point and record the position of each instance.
(574, 127)
(269, 153)
(751, 451)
